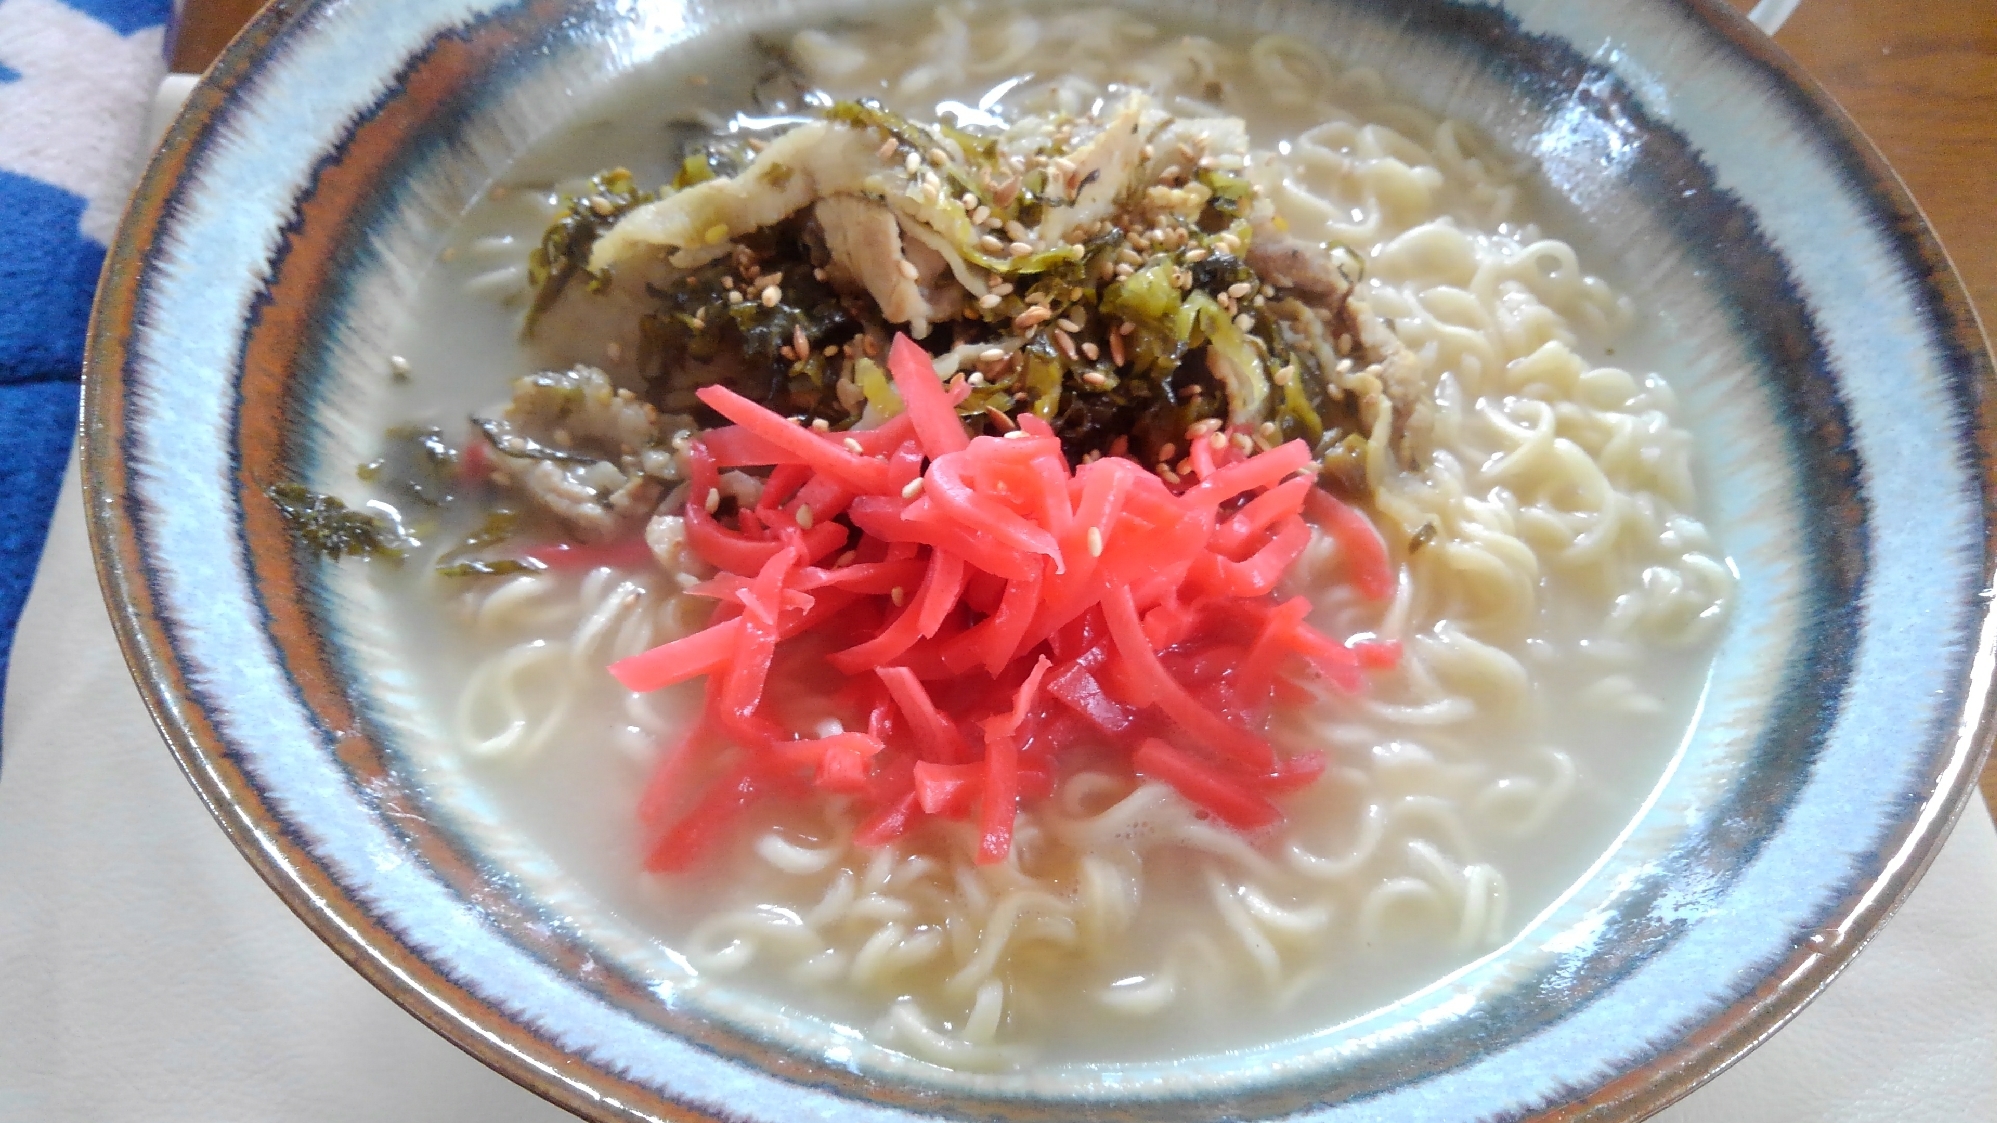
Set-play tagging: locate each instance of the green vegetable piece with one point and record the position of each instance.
(491, 567)
(502, 437)
(564, 251)
(328, 527)
(881, 393)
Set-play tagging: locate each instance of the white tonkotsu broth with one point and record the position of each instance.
(1558, 619)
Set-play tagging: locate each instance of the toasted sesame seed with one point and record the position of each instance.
(896, 595)
(887, 149)
(1066, 324)
(1019, 249)
(938, 157)
(992, 355)
(727, 282)
(1126, 327)
(1066, 343)
(1092, 351)
(909, 270)
(713, 501)
(1095, 378)
(912, 488)
(981, 215)
(999, 419)
(1167, 451)
(1245, 322)
(1125, 269)
(771, 296)
(734, 296)
(1095, 542)
(1285, 374)
(1116, 349)
(1242, 442)
(1147, 152)
(1240, 289)
(831, 349)
(1017, 232)
(1031, 318)
(1217, 440)
(717, 234)
(1197, 253)
(989, 300)
(1267, 428)
(847, 558)
(990, 244)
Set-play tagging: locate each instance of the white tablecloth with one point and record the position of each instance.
(148, 976)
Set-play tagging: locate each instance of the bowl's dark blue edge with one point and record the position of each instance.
(1836, 556)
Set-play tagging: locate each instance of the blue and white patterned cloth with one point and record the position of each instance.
(76, 80)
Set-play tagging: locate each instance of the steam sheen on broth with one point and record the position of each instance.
(1558, 599)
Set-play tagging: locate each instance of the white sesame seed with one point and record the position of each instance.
(909, 270)
(992, 355)
(1092, 351)
(1198, 253)
(820, 425)
(771, 296)
(855, 447)
(938, 157)
(897, 596)
(989, 300)
(1168, 451)
(804, 516)
(1015, 434)
(912, 164)
(734, 296)
(1267, 429)
(887, 149)
(1240, 289)
(847, 558)
(713, 502)
(1095, 377)
(1125, 269)
(1217, 441)
(912, 489)
(990, 244)
(1066, 343)
(1245, 322)
(398, 366)
(1095, 542)
(1066, 324)
(728, 283)
(981, 215)
(1017, 232)
(1019, 249)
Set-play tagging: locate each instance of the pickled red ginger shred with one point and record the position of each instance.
(976, 612)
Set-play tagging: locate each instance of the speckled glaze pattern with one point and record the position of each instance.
(1827, 358)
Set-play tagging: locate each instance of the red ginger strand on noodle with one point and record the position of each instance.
(991, 607)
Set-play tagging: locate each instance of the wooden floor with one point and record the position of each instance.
(1919, 76)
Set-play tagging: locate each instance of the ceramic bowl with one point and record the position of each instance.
(1828, 361)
